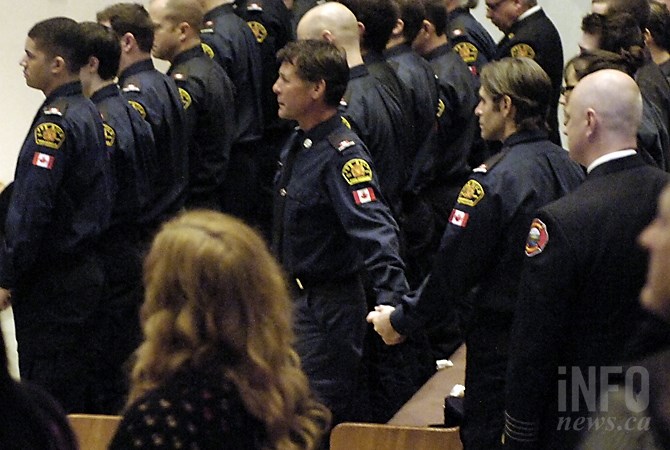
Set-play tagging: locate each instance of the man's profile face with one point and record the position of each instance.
(36, 65)
(491, 117)
(294, 95)
(166, 32)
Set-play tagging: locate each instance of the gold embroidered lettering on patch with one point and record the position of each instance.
(357, 171)
(471, 193)
(259, 30)
(110, 135)
(207, 49)
(49, 135)
(139, 108)
(467, 51)
(185, 98)
(522, 51)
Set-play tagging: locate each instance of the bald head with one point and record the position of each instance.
(331, 21)
(604, 111)
(615, 97)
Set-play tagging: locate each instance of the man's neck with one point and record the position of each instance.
(61, 81)
(128, 59)
(96, 85)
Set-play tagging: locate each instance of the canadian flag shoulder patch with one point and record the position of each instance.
(43, 160)
(459, 218)
(365, 195)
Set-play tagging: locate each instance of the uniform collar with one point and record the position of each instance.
(397, 50)
(358, 71)
(221, 10)
(373, 57)
(521, 137)
(323, 129)
(186, 55)
(534, 12)
(65, 90)
(439, 51)
(610, 157)
(617, 165)
(111, 90)
(135, 68)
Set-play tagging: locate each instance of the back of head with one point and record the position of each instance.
(639, 9)
(615, 98)
(594, 60)
(527, 85)
(216, 301)
(621, 34)
(189, 11)
(378, 16)
(659, 24)
(593, 23)
(469, 4)
(60, 36)
(333, 17)
(130, 18)
(412, 14)
(317, 60)
(436, 14)
(104, 45)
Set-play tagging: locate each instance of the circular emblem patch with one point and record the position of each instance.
(185, 98)
(139, 108)
(467, 51)
(207, 49)
(538, 237)
(357, 171)
(49, 135)
(471, 193)
(522, 51)
(110, 135)
(259, 31)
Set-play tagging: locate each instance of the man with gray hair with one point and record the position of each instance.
(530, 33)
(467, 36)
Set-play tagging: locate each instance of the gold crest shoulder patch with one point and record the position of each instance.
(467, 51)
(471, 193)
(357, 171)
(259, 30)
(49, 135)
(185, 98)
(522, 51)
(345, 122)
(110, 135)
(441, 107)
(207, 49)
(139, 108)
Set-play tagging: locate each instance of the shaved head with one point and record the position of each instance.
(331, 21)
(603, 115)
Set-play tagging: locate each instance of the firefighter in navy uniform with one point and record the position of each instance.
(270, 22)
(229, 41)
(60, 206)
(530, 33)
(156, 97)
(207, 95)
(131, 146)
(482, 246)
(467, 36)
(331, 225)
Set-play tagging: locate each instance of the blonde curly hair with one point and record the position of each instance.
(217, 300)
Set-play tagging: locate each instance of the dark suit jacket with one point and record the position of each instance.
(578, 298)
(536, 37)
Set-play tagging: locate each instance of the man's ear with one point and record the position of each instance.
(398, 28)
(319, 89)
(506, 104)
(183, 30)
(92, 64)
(58, 64)
(128, 42)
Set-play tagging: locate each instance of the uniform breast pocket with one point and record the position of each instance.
(305, 209)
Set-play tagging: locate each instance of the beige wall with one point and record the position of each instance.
(19, 103)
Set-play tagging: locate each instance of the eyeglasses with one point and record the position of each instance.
(494, 6)
(566, 89)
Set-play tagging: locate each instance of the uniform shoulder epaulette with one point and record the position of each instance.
(490, 163)
(180, 74)
(254, 6)
(56, 108)
(456, 32)
(341, 140)
(132, 84)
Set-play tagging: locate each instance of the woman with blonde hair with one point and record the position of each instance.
(217, 368)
